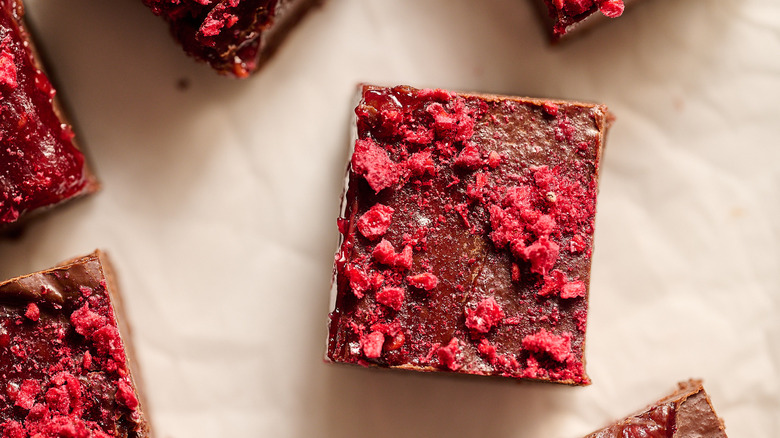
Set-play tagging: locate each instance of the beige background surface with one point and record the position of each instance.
(219, 207)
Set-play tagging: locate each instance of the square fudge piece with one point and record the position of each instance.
(564, 16)
(685, 413)
(235, 37)
(466, 234)
(64, 368)
(40, 164)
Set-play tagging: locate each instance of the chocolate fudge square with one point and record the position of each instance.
(467, 234)
(64, 368)
(40, 164)
(564, 17)
(236, 37)
(686, 413)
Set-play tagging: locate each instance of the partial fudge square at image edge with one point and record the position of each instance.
(467, 234)
(64, 367)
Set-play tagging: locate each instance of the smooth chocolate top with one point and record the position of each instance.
(687, 413)
(63, 365)
(40, 164)
(467, 234)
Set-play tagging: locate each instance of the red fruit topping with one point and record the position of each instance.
(385, 253)
(7, 66)
(487, 315)
(372, 163)
(542, 254)
(28, 390)
(392, 297)
(469, 158)
(358, 281)
(86, 321)
(550, 108)
(612, 8)
(32, 312)
(375, 222)
(425, 281)
(573, 289)
(126, 395)
(420, 164)
(372, 344)
(557, 347)
(448, 355)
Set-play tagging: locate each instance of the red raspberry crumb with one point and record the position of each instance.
(493, 159)
(574, 7)
(126, 395)
(392, 297)
(577, 244)
(421, 163)
(612, 8)
(372, 344)
(404, 259)
(384, 252)
(211, 26)
(85, 291)
(469, 157)
(557, 346)
(573, 289)
(12, 429)
(86, 321)
(488, 350)
(58, 399)
(487, 315)
(358, 281)
(33, 312)
(448, 355)
(25, 398)
(375, 222)
(550, 108)
(542, 254)
(425, 281)
(108, 344)
(373, 163)
(7, 66)
(515, 272)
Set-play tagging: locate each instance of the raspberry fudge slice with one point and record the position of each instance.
(466, 234)
(686, 413)
(40, 164)
(64, 368)
(235, 36)
(563, 16)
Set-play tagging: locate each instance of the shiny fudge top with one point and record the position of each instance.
(63, 365)
(685, 413)
(39, 163)
(467, 234)
(565, 14)
(234, 36)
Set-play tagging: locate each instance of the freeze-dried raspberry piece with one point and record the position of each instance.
(375, 222)
(487, 315)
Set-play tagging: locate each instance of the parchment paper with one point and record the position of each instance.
(220, 201)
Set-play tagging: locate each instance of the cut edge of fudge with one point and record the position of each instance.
(547, 105)
(561, 27)
(44, 80)
(199, 29)
(48, 295)
(687, 412)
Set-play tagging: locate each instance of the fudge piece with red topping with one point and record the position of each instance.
(467, 233)
(234, 36)
(64, 369)
(40, 164)
(687, 412)
(563, 16)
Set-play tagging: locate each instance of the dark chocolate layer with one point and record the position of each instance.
(687, 413)
(467, 234)
(63, 365)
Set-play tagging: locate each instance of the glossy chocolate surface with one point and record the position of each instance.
(63, 365)
(234, 37)
(39, 163)
(687, 413)
(467, 234)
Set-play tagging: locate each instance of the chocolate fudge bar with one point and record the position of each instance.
(40, 164)
(563, 16)
(235, 36)
(64, 368)
(467, 233)
(686, 413)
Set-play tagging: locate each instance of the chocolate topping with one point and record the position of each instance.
(687, 413)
